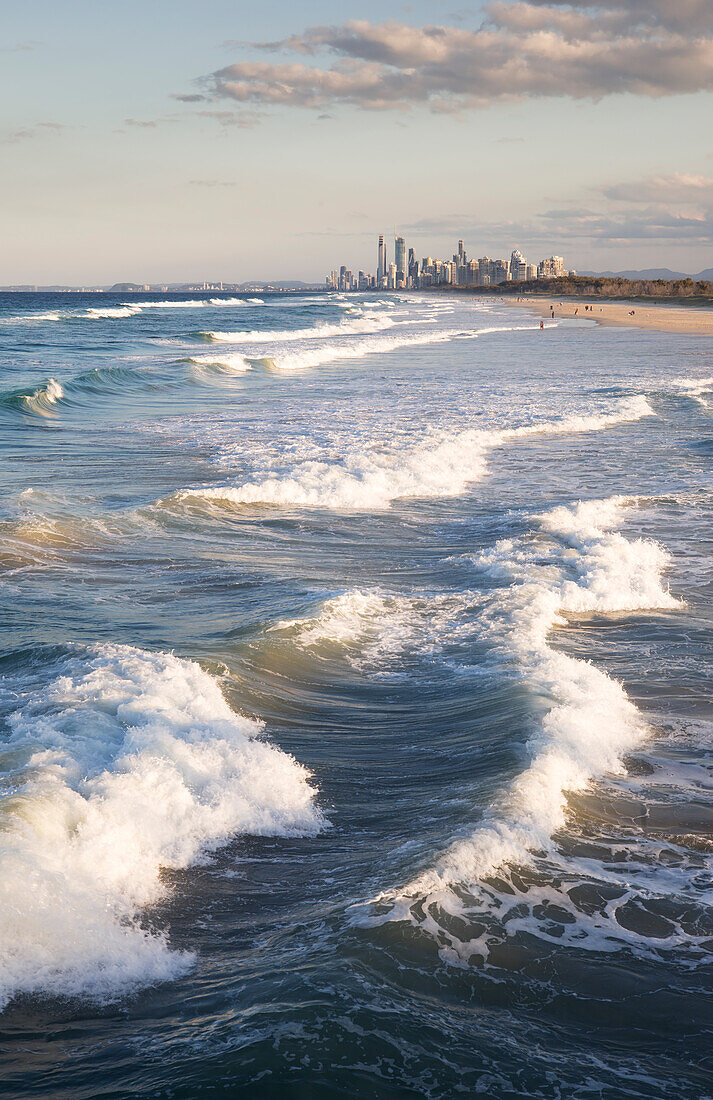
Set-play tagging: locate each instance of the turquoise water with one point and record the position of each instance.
(356, 716)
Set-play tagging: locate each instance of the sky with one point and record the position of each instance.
(161, 141)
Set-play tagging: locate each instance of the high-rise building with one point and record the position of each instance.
(518, 266)
(552, 268)
(381, 269)
(400, 258)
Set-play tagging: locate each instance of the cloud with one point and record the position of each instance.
(665, 210)
(678, 189)
(21, 47)
(26, 133)
(563, 48)
(17, 135)
(143, 124)
(688, 17)
(244, 120)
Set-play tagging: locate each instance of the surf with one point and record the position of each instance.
(120, 764)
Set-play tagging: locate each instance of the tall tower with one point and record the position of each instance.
(400, 258)
(381, 269)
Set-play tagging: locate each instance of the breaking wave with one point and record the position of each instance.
(39, 402)
(220, 364)
(441, 466)
(698, 389)
(29, 318)
(345, 328)
(509, 876)
(126, 764)
(96, 314)
(371, 626)
(370, 345)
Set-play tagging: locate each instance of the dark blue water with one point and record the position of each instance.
(356, 715)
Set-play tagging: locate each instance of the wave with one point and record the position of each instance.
(227, 301)
(29, 318)
(329, 353)
(592, 723)
(223, 364)
(443, 465)
(695, 388)
(127, 763)
(574, 563)
(38, 402)
(191, 303)
(372, 626)
(126, 309)
(99, 313)
(130, 309)
(345, 328)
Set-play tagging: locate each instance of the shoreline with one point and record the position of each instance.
(691, 320)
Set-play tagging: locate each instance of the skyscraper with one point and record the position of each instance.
(400, 257)
(518, 266)
(381, 269)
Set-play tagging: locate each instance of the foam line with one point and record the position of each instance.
(442, 466)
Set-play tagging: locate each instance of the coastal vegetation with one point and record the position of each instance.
(583, 286)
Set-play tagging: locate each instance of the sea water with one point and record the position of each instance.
(355, 720)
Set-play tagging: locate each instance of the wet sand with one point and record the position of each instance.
(692, 319)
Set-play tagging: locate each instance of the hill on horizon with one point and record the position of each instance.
(652, 273)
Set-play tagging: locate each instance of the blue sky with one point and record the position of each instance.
(156, 141)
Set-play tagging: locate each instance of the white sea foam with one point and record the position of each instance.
(127, 763)
(373, 627)
(368, 345)
(591, 722)
(265, 336)
(441, 466)
(30, 318)
(345, 619)
(98, 313)
(190, 303)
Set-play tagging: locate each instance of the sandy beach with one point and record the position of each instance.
(693, 319)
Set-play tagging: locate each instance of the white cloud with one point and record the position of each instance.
(563, 48)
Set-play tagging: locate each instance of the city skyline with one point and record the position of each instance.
(415, 274)
(256, 145)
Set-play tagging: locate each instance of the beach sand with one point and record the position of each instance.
(692, 319)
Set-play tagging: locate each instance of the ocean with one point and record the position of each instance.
(355, 720)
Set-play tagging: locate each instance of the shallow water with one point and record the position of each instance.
(356, 716)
